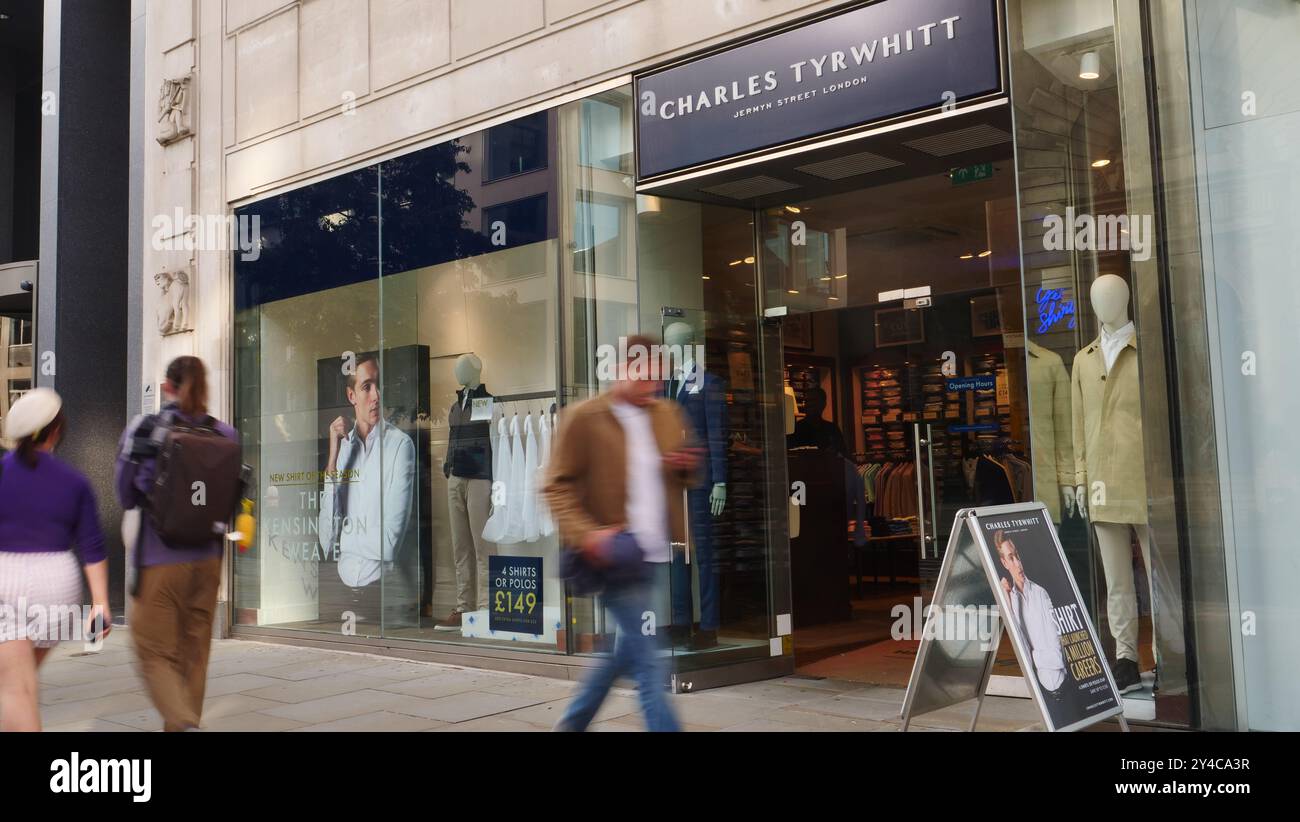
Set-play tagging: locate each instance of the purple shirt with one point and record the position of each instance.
(133, 483)
(48, 508)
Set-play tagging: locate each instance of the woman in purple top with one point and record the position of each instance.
(46, 507)
(175, 596)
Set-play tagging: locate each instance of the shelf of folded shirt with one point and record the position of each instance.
(896, 535)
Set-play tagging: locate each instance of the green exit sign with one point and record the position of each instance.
(971, 174)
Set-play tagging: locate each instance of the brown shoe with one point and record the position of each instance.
(451, 623)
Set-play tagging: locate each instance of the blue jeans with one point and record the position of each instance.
(634, 653)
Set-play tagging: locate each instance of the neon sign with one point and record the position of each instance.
(1052, 309)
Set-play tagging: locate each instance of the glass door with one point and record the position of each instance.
(697, 290)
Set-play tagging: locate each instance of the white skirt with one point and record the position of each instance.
(40, 597)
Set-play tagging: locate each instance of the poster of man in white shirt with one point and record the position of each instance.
(1031, 608)
(1057, 646)
(368, 485)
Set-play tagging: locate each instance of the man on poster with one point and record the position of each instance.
(369, 484)
(1031, 608)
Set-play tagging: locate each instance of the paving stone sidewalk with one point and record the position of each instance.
(255, 686)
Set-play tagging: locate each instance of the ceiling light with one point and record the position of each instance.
(1102, 163)
(792, 209)
(967, 256)
(840, 276)
(648, 204)
(792, 291)
(704, 276)
(826, 279)
(985, 253)
(836, 299)
(1090, 66)
(735, 262)
(749, 261)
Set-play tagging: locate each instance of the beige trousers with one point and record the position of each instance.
(1114, 543)
(468, 503)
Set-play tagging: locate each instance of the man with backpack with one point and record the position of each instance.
(182, 468)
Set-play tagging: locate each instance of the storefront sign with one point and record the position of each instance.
(970, 383)
(872, 63)
(1026, 585)
(515, 594)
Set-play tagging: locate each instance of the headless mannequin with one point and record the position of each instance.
(1109, 296)
(681, 334)
(702, 398)
(469, 489)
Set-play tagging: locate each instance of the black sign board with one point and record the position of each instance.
(865, 65)
(515, 594)
(1005, 563)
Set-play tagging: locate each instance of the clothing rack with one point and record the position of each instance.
(529, 397)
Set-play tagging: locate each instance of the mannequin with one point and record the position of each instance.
(1110, 473)
(702, 396)
(468, 469)
(1050, 427)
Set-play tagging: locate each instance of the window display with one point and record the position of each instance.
(398, 493)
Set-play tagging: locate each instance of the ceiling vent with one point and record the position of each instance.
(852, 165)
(749, 188)
(955, 142)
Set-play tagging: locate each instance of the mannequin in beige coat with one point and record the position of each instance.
(1110, 472)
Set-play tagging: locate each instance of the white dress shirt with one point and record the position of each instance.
(378, 503)
(1032, 609)
(1112, 344)
(647, 506)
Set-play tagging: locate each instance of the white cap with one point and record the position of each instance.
(33, 411)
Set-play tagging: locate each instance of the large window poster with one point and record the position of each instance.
(373, 528)
(1059, 649)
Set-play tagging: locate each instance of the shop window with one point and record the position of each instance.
(17, 388)
(20, 332)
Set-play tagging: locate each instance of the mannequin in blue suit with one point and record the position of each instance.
(702, 396)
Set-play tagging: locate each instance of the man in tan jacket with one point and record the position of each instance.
(619, 466)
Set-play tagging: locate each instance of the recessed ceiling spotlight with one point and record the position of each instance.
(966, 257)
(1102, 163)
(985, 253)
(792, 209)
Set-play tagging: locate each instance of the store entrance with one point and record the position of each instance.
(891, 270)
(901, 418)
(903, 364)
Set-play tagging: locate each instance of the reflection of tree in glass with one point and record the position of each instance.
(424, 212)
(312, 238)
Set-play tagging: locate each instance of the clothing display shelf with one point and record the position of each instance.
(801, 378)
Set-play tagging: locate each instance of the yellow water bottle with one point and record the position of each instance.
(245, 526)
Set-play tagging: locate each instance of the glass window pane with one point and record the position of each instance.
(516, 147)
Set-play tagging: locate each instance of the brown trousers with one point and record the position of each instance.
(172, 627)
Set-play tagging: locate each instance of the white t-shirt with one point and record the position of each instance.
(647, 507)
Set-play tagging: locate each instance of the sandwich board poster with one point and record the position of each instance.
(1060, 655)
